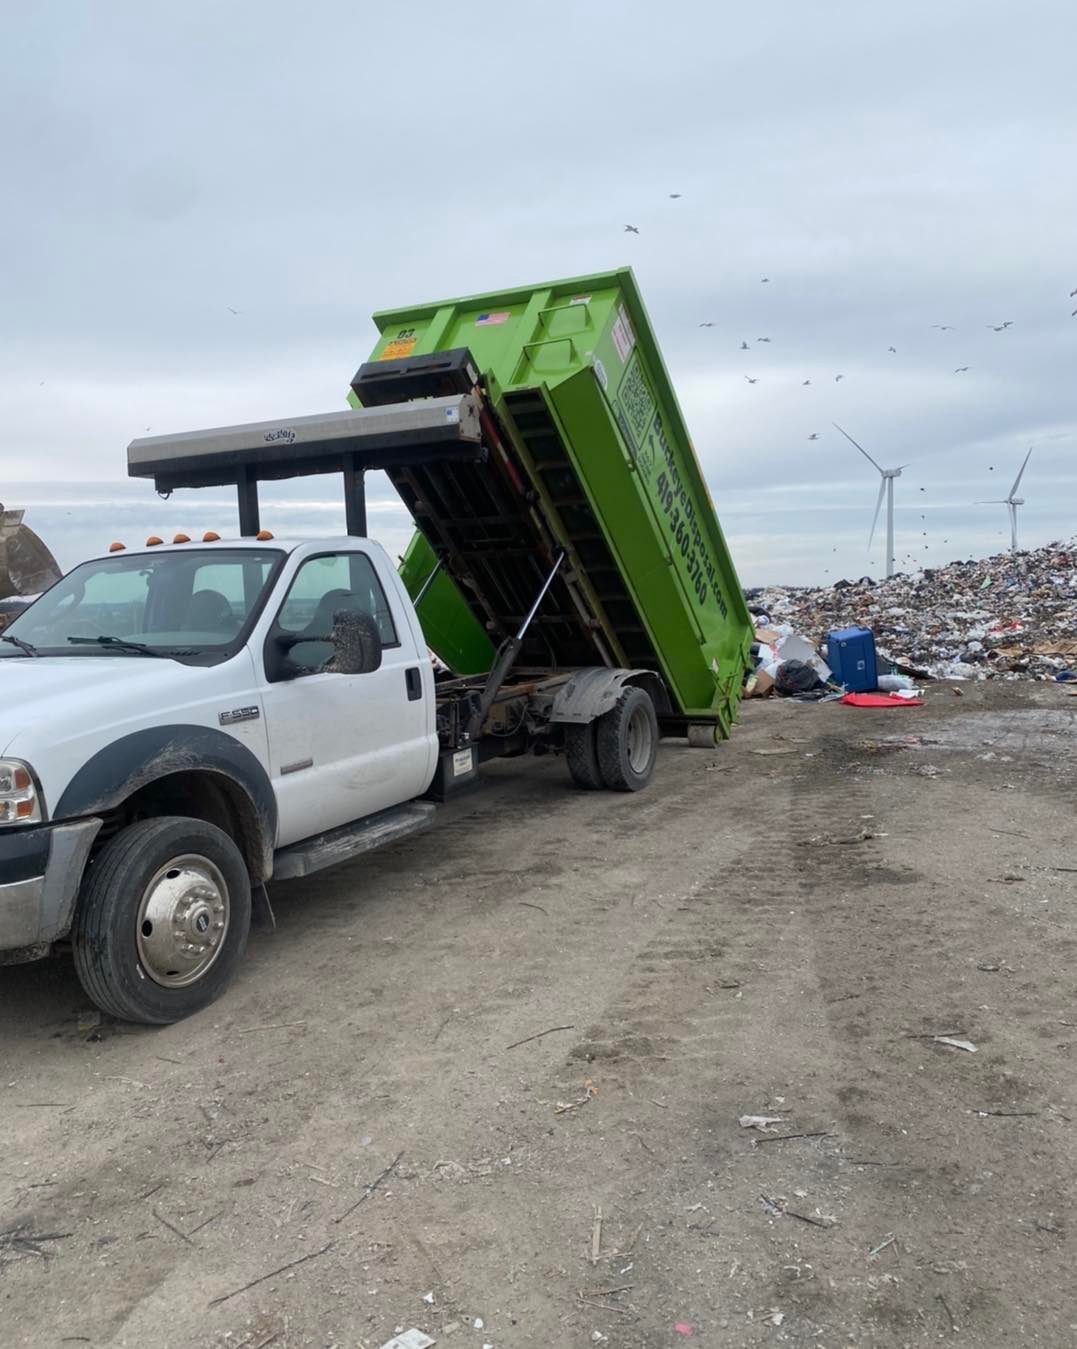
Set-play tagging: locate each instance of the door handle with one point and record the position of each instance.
(413, 680)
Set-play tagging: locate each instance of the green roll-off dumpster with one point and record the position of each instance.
(588, 429)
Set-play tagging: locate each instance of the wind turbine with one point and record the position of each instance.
(1012, 502)
(886, 488)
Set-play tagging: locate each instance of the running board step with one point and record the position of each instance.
(352, 840)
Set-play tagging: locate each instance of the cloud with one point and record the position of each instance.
(887, 170)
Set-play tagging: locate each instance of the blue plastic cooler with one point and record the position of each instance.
(850, 653)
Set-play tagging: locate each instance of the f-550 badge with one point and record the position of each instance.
(239, 714)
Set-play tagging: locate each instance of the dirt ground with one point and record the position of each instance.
(776, 927)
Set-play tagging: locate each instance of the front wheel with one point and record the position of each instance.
(626, 738)
(162, 920)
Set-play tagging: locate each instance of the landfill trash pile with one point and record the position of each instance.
(1013, 616)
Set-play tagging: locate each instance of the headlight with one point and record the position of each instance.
(19, 801)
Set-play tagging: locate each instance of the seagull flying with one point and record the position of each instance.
(893, 349)
(706, 325)
(838, 377)
(762, 339)
(943, 327)
(231, 310)
(1000, 327)
(674, 195)
(960, 370)
(1073, 293)
(631, 229)
(750, 380)
(764, 279)
(745, 347)
(805, 384)
(814, 435)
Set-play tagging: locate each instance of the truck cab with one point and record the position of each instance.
(196, 686)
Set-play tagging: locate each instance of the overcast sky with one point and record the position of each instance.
(888, 168)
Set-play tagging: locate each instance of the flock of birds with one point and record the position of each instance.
(1011, 501)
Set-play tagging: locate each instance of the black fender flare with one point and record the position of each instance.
(133, 761)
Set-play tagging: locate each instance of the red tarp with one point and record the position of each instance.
(880, 700)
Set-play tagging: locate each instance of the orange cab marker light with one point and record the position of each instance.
(210, 537)
(181, 538)
(153, 541)
(116, 547)
(263, 535)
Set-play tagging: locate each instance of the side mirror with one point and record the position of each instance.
(357, 641)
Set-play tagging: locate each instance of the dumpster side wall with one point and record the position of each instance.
(587, 345)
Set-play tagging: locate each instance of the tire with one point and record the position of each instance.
(162, 920)
(627, 741)
(582, 755)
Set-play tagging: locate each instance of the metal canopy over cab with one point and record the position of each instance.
(334, 442)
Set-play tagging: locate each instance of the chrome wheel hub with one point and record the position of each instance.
(640, 740)
(182, 921)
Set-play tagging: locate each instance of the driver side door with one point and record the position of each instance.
(342, 746)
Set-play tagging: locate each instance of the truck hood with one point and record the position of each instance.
(46, 697)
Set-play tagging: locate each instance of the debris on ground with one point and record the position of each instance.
(966, 1045)
(760, 1122)
(409, 1339)
(21, 1241)
(1012, 616)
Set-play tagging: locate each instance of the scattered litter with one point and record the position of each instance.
(796, 677)
(896, 683)
(988, 968)
(597, 1337)
(777, 1207)
(272, 1025)
(429, 1297)
(829, 840)
(787, 1138)
(89, 1020)
(774, 1317)
(409, 1339)
(596, 1235)
(1011, 616)
(281, 1269)
(1006, 1114)
(22, 1241)
(478, 1323)
(590, 1091)
(928, 770)
(538, 1036)
(683, 1328)
(888, 1240)
(760, 1122)
(966, 1045)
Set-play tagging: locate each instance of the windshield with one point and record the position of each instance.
(191, 603)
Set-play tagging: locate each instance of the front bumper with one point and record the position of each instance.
(40, 874)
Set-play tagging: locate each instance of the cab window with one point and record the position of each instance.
(322, 587)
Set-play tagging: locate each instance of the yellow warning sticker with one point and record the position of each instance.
(399, 346)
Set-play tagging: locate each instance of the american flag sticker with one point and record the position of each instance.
(491, 320)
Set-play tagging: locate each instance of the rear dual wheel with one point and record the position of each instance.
(618, 750)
